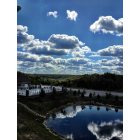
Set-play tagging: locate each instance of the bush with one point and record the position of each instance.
(27, 92)
(42, 93)
(90, 95)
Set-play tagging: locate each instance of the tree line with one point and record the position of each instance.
(106, 81)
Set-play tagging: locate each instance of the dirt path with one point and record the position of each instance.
(31, 111)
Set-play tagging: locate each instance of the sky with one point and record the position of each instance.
(70, 36)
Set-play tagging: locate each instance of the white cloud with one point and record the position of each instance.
(62, 53)
(78, 61)
(26, 56)
(81, 51)
(72, 15)
(115, 51)
(21, 28)
(69, 137)
(22, 36)
(57, 44)
(53, 13)
(64, 41)
(107, 24)
(69, 112)
(114, 130)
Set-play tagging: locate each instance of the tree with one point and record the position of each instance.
(90, 95)
(53, 116)
(116, 98)
(98, 108)
(54, 90)
(83, 107)
(98, 97)
(84, 91)
(82, 95)
(90, 107)
(74, 93)
(42, 92)
(70, 91)
(94, 94)
(79, 92)
(27, 92)
(116, 109)
(18, 8)
(63, 89)
(107, 109)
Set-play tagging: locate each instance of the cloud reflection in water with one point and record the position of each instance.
(69, 112)
(112, 130)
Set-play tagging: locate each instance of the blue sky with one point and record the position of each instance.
(49, 19)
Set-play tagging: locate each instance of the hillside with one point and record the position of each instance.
(106, 81)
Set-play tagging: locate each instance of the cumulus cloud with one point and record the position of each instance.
(70, 112)
(107, 24)
(36, 67)
(25, 56)
(115, 51)
(114, 129)
(46, 50)
(57, 44)
(81, 51)
(22, 36)
(72, 15)
(78, 61)
(53, 13)
(62, 53)
(69, 137)
(63, 41)
(111, 62)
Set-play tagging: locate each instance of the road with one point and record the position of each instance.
(97, 92)
(47, 89)
(31, 111)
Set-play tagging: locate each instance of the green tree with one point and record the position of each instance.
(98, 108)
(74, 93)
(27, 92)
(98, 97)
(54, 90)
(82, 95)
(42, 92)
(116, 109)
(90, 95)
(116, 98)
(18, 8)
(78, 92)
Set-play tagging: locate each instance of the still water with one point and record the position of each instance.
(87, 123)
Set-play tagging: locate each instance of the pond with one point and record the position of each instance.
(87, 122)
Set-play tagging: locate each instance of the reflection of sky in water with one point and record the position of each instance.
(69, 112)
(87, 123)
(107, 130)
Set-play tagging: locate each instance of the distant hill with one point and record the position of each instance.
(22, 78)
(106, 81)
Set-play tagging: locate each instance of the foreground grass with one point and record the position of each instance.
(30, 127)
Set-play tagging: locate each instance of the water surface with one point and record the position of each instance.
(87, 123)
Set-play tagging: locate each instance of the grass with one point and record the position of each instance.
(30, 127)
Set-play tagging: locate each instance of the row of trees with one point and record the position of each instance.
(77, 93)
(107, 81)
